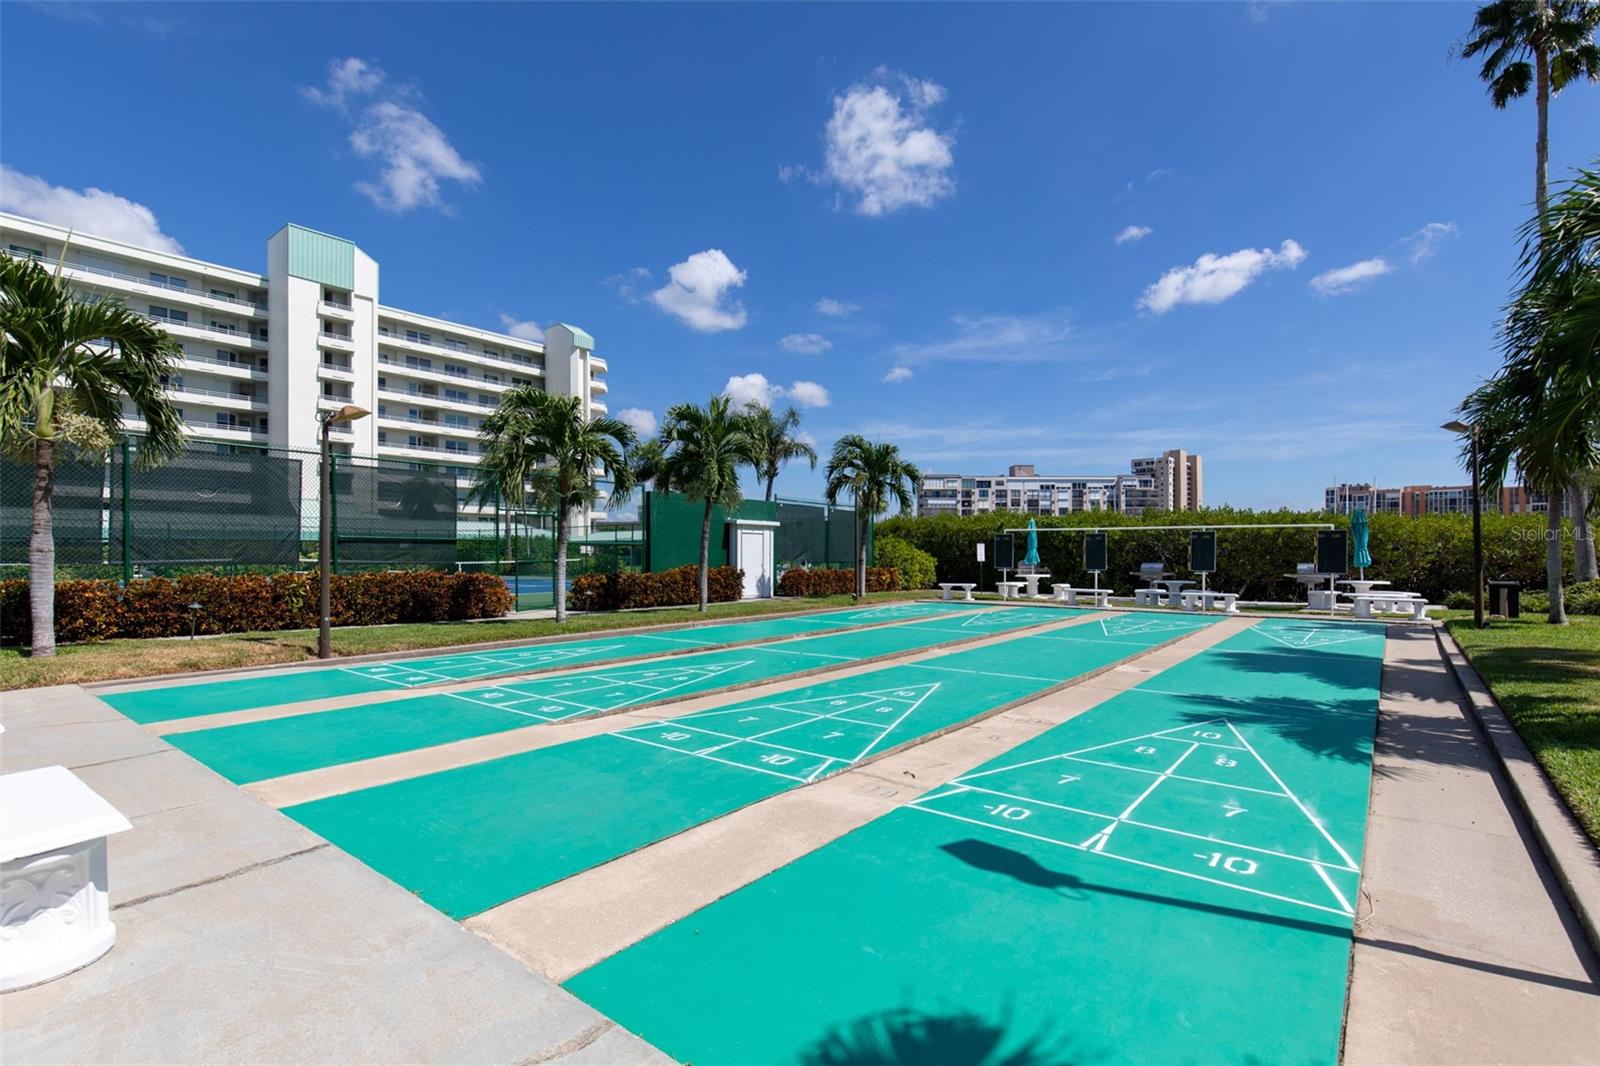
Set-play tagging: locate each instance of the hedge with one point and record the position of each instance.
(800, 581)
(159, 607)
(1430, 554)
(669, 588)
(916, 567)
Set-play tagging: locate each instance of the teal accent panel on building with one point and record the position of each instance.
(321, 258)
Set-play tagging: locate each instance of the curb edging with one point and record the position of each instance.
(1575, 862)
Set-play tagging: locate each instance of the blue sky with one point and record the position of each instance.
(903, 218)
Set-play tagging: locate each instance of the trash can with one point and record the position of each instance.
(1505, 598)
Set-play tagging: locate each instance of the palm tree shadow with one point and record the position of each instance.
(905, 1036)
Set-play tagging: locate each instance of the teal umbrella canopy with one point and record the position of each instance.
(1362, 558)
(1032, 558)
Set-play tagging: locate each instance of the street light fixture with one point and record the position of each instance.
(348, 413)
(1470, 430)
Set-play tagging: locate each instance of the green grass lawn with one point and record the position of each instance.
(1548, 680)
(121, 659)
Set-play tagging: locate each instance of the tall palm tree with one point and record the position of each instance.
(1541, 412)
(542, 445)
(778, 441)
(872, 473)
(68, 363)
(644, 461)
(706, 446)
(1542, 45)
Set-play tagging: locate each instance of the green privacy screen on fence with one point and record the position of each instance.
(206, 507)
(809, 534)
(78, 510)
(391, 516)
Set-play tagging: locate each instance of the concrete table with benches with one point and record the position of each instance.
(1009, 590)
(1066, 594)
(1206, 599)
(949, 587)
(1366, 604)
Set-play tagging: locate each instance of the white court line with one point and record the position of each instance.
(1330, 707)
(680, 640)
(958, 788)
(710, 758)
(1003, 769)
(1334, 889)
(892, 726)
(1165, 774)
(733, 740)
(1345, 855)
(1135, 862)
(578, 708)
(809, 654)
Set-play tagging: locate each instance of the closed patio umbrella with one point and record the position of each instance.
(1032, 558)
(1358, 533)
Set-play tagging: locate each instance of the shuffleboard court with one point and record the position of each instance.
(255, 751)
(471, 838)
(168, 702)
(1168, 877)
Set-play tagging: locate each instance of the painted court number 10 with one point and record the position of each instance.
(1234, 864)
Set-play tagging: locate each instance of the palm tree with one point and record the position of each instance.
(1544, 45)
(706, 446)
(1541, 412)
(873, 473)
(644, 461)
(543, 444)
(67, 365)
(778, 442)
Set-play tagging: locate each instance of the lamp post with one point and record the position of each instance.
(348, 413)
(1471, 430)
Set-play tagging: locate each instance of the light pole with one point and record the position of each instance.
(348, 413)
(1471, 430)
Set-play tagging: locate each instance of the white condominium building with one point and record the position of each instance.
(263, 352)
(1171, 482)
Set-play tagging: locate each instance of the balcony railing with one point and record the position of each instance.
(431, 423)
(459, 348)
(238, 364)
(188, 290)
(190, 390)
(230, 331)
(342, 337)
(400, 364)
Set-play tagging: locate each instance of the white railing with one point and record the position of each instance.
(460, 349)
(189, 290)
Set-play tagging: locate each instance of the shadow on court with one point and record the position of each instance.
(908, 1037)
(1007, 862)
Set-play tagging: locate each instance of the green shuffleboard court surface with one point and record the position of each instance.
(255, 751)
(278, 688)
(474, 837)
(1168, 877)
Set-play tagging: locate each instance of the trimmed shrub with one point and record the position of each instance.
(669, 588)
(159, 607)
(800, 581)
(914, 566)
(1583, 598)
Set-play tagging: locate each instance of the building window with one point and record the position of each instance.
(24, 250)
(170, 281)
(417, 337)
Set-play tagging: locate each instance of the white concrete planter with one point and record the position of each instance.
(55, 911)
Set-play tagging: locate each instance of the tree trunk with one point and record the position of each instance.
(42, 550)
(1552, 560)
(1582, 534)
(1541, 150)
(771, 481)
(705, 557)
(561, 566)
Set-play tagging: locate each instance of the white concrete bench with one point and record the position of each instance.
(1150, 597)
(1321, 599)
(949, 587)
(1365, 604)
(1197, 600)
(1009, 590)
(56, 913)
(1066, 594)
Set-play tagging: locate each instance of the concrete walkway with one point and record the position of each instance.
(1466, 949)
(244, 938)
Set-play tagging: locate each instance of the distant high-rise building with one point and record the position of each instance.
(1171, 481)
(1413, 500)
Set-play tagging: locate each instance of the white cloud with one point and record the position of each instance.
(1214, 278)
(413, 154)
(835, 308)
(1343, 279)
(1133, 233)
(805, 343)
(755, 388)
(882, 149)
(994, 339)
(93, 211)
(1423, 243)
(528, 331)
(642, 419)
(809, 394)
(897, 374)
(697, 292)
